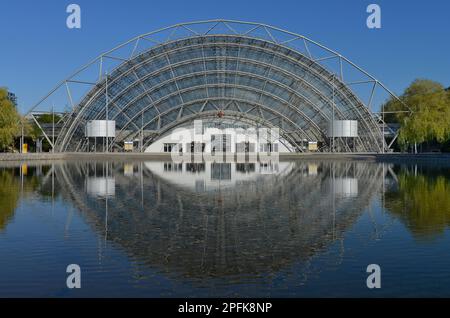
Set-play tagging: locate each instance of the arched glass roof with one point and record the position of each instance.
(248, 76)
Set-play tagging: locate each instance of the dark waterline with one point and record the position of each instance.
(163, 229)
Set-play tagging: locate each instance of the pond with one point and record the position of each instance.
(300, 228)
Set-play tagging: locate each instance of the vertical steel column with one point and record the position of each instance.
(141, 172)
(332, 118)
(106, 110)
(142, 133)
(106, 201)
(53, 128)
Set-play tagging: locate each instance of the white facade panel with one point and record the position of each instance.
(101, 128)
(233, 139)
(343, 128)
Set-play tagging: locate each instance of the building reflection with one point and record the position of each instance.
(175, 221)
(195, 167)
(245, 167)
(207, 219)
(129, 169)
(220, 171)
(206, 176)
(99, 179)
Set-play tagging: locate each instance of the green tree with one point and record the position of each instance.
(33, 131)
(48, 118)
(9, 121)
(430, 116)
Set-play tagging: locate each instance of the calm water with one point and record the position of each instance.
(160, 229)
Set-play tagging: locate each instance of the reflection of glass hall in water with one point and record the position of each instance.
(184, 223)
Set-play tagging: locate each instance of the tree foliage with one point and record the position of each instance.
(33, 130)
(48, 118)
(9, 120)
(430, 117)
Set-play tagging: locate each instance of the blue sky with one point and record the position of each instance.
(38, 50)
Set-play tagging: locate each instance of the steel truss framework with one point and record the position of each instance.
(251, 72)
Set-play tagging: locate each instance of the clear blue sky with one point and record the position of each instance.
(38, 50)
